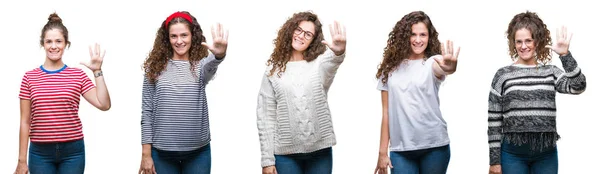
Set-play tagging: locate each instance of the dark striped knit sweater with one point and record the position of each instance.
(522, 108)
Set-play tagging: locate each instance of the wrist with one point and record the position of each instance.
(219, 57)
(98, 73)
(339, 53)
(22, 160)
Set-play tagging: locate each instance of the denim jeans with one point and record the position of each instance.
(57, 158)
(182, 162)
(520, 159)
(317, 162)
(427, 161)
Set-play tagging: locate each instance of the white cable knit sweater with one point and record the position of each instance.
(292, 111)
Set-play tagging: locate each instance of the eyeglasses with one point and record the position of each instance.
(307, 34)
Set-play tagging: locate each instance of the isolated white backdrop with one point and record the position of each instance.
(126, 29)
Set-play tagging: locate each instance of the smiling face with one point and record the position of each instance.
(180, 38)
(54, 44)
(419, 39)
(525, 46)
(303, 36)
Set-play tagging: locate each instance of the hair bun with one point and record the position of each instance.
(54, 18)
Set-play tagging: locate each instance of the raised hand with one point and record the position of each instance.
(219, 45)
(449, 60)
(338, 38)
(96, 58)
(561, 46)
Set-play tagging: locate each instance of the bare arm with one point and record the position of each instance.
(385, 129)
(383, 161)
(98, 96)
(24, 129)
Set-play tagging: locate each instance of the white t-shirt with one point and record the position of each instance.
(415, 119)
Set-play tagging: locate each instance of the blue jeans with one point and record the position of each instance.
(317, 162)
(182, 162)
(57, 158)
(430, 161)
(520, 159)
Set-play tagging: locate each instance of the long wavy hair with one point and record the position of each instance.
(283, 43)
(539, 33)
(162, 50)
(398, 45)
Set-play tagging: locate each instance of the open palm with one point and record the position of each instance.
(96, 58)
(449, 60)
(338, 38)
(219, 45)
(561, 46)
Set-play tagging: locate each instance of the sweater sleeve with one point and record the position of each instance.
(495, 118)
(209, 66)
(266, 121)
(148, 92)
(572, 80)
(329, 66)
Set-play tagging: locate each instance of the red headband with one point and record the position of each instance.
(175, 15)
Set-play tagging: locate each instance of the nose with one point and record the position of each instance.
(54, 46)
(179, 40)
(419, 39)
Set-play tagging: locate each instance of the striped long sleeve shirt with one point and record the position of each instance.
(522, 107)
(174, 108)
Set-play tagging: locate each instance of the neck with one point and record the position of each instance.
(53, 64)
(531, 61)
(416, 56)
(297, 56)
(178, 57)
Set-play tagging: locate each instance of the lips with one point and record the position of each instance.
(298, 41)
(54, 52)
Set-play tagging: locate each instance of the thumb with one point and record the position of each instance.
(326, 43)
(205, 44)
(85, 64)
(439, 60)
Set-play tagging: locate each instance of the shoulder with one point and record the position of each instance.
(502, 73)
(33, 71)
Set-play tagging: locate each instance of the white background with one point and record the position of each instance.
(127, 29)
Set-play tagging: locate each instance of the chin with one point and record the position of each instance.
(298, 48)
(54, 58)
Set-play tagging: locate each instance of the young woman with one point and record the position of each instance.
(175, 125)
(50, 96)
(414, 65)
(293, 117)
(522, 106)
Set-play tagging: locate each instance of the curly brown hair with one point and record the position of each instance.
(539, 33)
(55, 22)
(283, 43)
(162, 50)
(398, 45)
